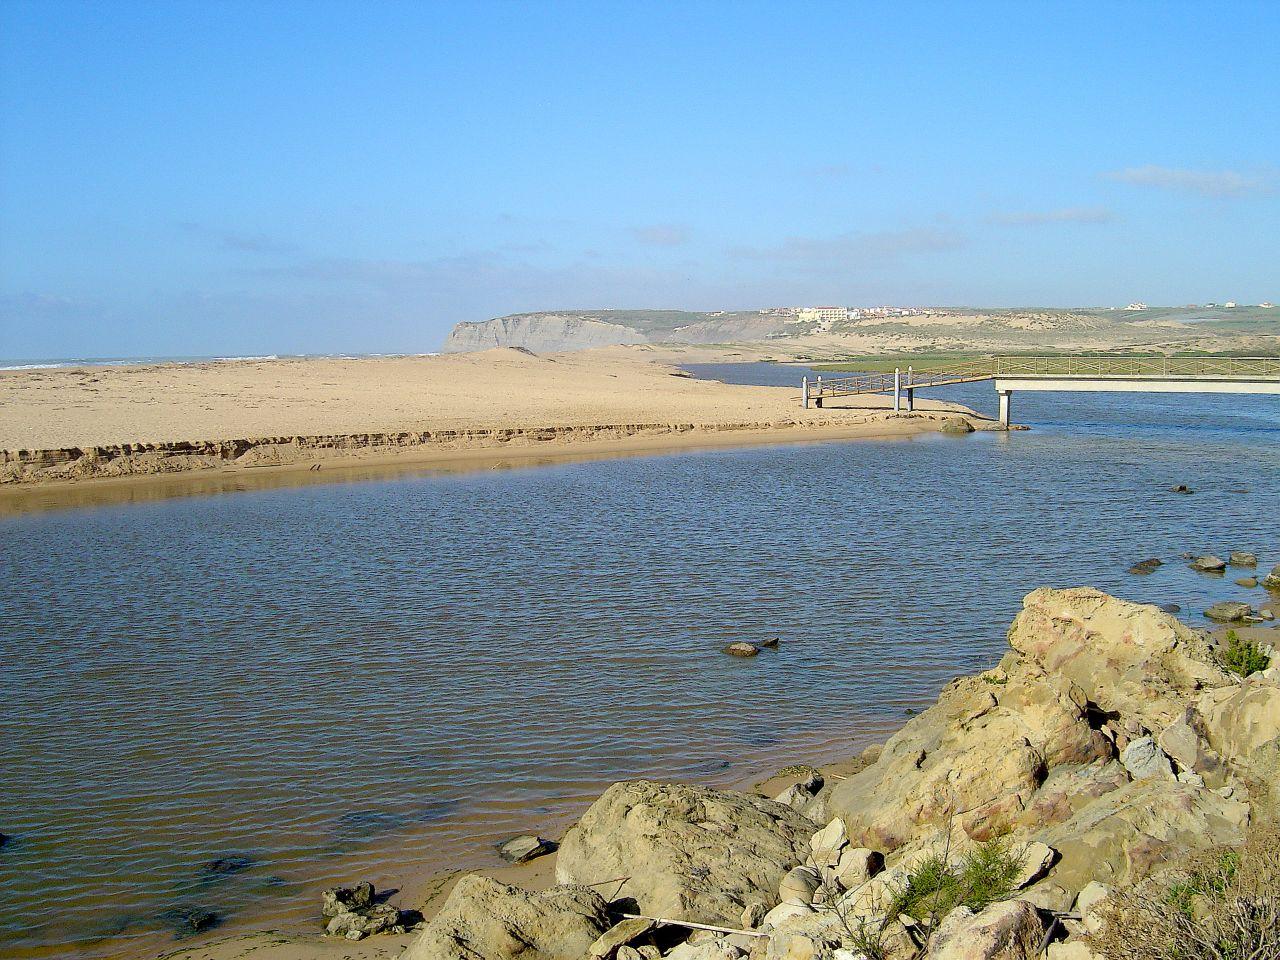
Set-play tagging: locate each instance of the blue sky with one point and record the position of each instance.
(221, 177)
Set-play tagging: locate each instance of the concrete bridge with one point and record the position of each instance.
(1089, 373)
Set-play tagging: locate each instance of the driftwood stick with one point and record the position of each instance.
(663, 921)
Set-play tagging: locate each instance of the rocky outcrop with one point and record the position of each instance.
(1129, 660)
(1108, 742)
(687, 852)
(1122, 835)
(484, 918)
(980, 755)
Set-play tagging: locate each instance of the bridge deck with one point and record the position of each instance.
(1186, 370)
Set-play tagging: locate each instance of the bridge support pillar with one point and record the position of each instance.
(1004, 406)
(897, 390)
(911, 399)
(804, 385)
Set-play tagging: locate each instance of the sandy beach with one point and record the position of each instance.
(75, 424)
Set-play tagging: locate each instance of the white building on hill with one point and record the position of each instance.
(825, 316)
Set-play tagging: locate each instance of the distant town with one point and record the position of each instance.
(824, 318)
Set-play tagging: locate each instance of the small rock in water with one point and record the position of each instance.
(1143, 567)
(1208, 564)
(1181, 488)
(188, 920)
(956, 425)
(740, 648)
(1171, 607)
(771, 644)
(526, 848)
(1228, 611)
(1242, 558)
(1272, 579)
(1249, 582)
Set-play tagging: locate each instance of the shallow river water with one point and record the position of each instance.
(217, 702)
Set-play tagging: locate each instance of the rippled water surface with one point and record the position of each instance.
(211, 702)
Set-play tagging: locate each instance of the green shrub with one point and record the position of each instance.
(1243, 656)
(935, 887)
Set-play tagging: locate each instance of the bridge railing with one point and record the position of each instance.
(1114, 366)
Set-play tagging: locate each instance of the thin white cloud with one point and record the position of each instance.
(240, 242)
(1208, 183)
(662, 234)
(848, 248)
(1036, 218)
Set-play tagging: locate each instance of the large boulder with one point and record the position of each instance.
(1272, 579)
(484, 918)
(1130, 659)
(979, 755)
(688, 853)
(1119, 837)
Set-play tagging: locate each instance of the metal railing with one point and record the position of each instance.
(1261, 368)
(1121, 366)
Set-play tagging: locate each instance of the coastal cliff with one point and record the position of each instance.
(1031, 809)
(606, 328)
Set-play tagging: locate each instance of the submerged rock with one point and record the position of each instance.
(225, 866)
(1181, 488)
(689, 853)
(484, 918)
(1242, 558)
(1143, 567)
(526, 848)
(189, 920)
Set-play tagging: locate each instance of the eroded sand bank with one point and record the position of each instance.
(69, 425)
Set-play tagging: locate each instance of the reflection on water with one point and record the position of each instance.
(209, 701)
